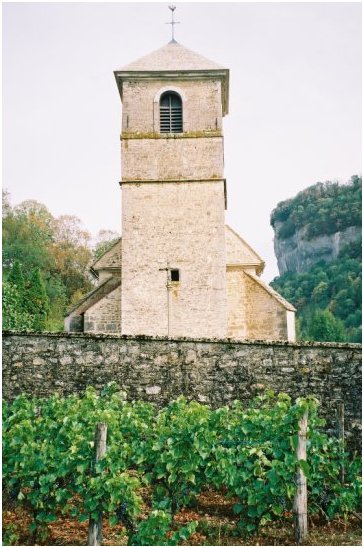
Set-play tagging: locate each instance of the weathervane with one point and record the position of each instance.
(173, 22)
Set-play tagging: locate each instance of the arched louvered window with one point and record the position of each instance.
(170, 113)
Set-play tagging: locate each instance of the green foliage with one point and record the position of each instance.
(36, 300)
(256, 460)
(16, 277)
(58, 249)
(175, 452)
(49, 448)
(25, 302)
(156, 531)
(323, 208)
(27, 236)
(176, 459)
(334, 288)
(14, 315)
(327, 495)
(325, 327)
(10, 535)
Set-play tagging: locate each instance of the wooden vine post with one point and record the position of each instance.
(95, 525)
(300, 500)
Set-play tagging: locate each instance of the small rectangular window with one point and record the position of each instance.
(174, 275)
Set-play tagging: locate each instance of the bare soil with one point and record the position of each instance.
(217, 527)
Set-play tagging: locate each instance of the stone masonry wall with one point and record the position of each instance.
(149, 155)
(172, 158)
(211, 371)
(180, 226)
(105, 315)
(201, 100)
(265, 316)
(252, 311)
(236, 302)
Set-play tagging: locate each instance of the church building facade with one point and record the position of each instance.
(178, 270)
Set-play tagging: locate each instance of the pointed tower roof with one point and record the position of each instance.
(173, 56)
(174, 62)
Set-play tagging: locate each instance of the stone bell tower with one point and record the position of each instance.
(173, 280)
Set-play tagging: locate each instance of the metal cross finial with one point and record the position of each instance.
(173, 22)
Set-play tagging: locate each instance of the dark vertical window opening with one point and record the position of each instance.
(170, 113)
(174, 275)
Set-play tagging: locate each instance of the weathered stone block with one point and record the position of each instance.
(152, 390)
(38, 361)
(66, 360)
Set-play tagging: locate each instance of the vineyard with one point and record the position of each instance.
(159, 463)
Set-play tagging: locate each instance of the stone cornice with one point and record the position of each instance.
(161, 181)
(228, 341)
(186, 135)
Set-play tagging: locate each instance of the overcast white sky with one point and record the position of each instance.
(295, 101)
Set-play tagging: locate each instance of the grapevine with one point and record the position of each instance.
(248, 450)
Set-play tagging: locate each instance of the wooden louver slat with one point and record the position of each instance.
(170, 113)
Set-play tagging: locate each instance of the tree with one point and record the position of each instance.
(36, 301)
(27, 236)
(14, 316)
(325, 327)
(15, 313)
(320, 291)
(58, 247)
(6, 203)
(16, 277)
(323, 208)
(72, 256)
(104, 241)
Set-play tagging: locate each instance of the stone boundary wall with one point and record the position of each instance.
(211, 371)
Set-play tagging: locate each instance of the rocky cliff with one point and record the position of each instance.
(316, 224)
(298, 254)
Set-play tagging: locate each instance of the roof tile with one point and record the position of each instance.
(173, 56)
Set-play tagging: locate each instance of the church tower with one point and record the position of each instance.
(173, 275)
(178, 270)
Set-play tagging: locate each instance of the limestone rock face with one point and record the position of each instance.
(297, 254)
